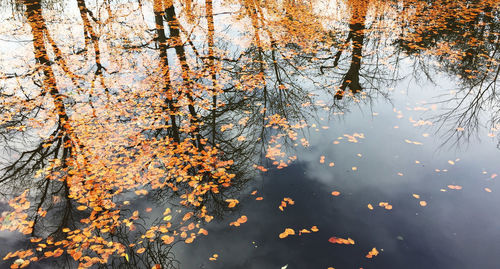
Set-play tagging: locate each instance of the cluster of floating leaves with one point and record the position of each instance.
(286, 201)
(372, 253)
(290, 231)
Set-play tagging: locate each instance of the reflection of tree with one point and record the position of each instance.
(356, 34)
(186, 89)
(89, 32)
(247, 111)
(462, 37)
(276, 74)
(51, 160)
(194, 172)
(168, 91)
(370, 67)
(57, 152)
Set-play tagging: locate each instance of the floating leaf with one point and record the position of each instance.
(336, 240)
(372, 253)
(214, 257)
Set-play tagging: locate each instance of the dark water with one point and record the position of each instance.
(390, 101)
(457, 228)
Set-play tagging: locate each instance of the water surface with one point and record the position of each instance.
(158, 134)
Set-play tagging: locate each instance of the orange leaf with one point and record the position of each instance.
(167, 239)
(242, 219)
(232, 202)
(187, 216)
(77, 255)
(372, 253)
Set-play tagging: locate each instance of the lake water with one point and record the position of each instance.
(250, 134)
